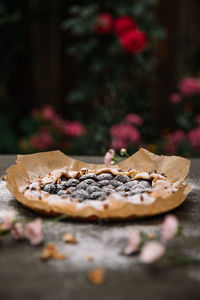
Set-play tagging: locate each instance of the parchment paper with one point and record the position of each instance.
(31, 166)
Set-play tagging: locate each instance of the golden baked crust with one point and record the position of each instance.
(166, 194)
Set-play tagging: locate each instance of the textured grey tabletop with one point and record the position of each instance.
(23, 276)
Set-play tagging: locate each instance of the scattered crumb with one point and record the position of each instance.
(50, 251)
(151, 236)
(69, 238)
(89, 258)
(96, 276)
(106, 205)
(4, 177)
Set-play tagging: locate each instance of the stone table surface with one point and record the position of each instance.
(23, 276)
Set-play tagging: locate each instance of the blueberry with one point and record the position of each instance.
(72, 182)
(50, 188)
(123, 178)
(61, 192)
(144, 184)
(89, 181)
(103, 183)
(115, 183)
(98, 196)
(105, 176)
(82, 185)
(88, 176)
(71, 189)
(131, 184)
(92, 189)
(80, 194)
(121, 188)
(107, 190)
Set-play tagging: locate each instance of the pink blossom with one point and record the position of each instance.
(6, 220)
(124, 135)
(169, 228)
(194, 138)
(134, 119)
(33, 232)
(109, 157)
(189, 86)
(42, 140)
(74, 128)
(151, 252)
(48, 113)
(134, 242)
(18, 231)
(174, 139)
(175, 98)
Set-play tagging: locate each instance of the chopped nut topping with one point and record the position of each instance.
(69, 238)
(106, 205)
(68, 192)
(96, 276)
(50, 251)
(4, 177)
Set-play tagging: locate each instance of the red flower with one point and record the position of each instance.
(133, 41)
(194, 138)
(189, 86)
(104, 23)
(175, 98)
(134, 119)
(74, 128)
(124, 24)
(124, 135)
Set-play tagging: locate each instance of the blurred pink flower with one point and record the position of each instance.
(33, 232)
(175, 98)
(134, 242)
(189, 86)
(109, 157)
(18, 231)
(173, 141)
(176, 137)
(48, 113)
(6, 220)
(169, 228)
(134, 119)
(194, 138)
(151, 252)
(124, 135)
(42, 140)
(74, 128)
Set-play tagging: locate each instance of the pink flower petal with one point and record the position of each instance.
(6, 220)
(169, 228)
(151, 252)
(18, 231)
(33, 232)
(133, 242)
(109, 157)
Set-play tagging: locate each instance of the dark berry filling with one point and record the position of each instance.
(97, 187)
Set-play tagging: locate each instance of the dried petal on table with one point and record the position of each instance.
(96, 276)
(69, 238)
(50, 252)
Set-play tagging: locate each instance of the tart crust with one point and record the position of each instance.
(168, 191)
